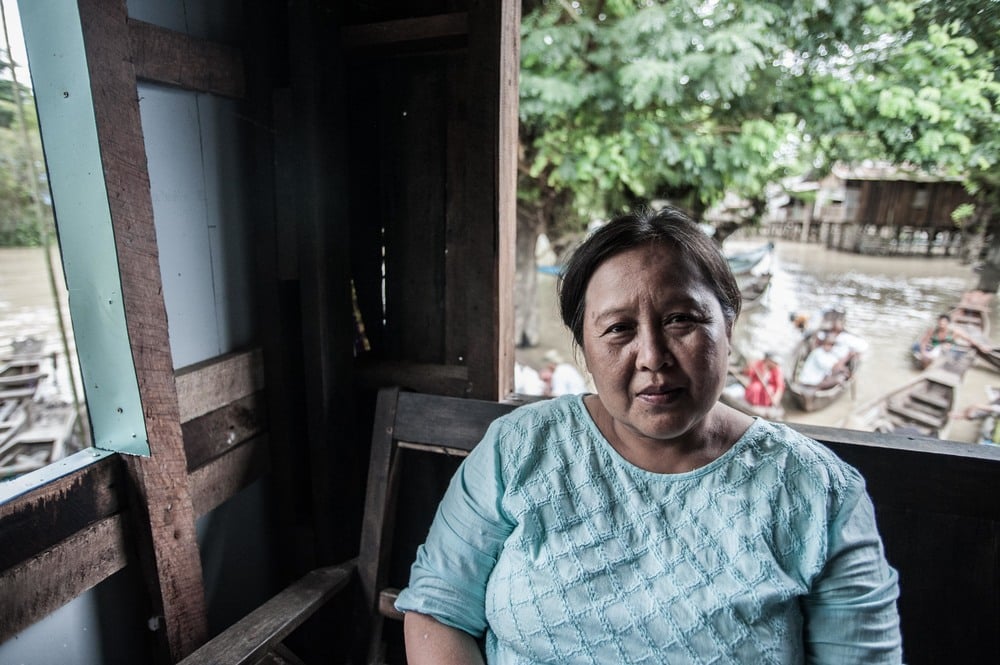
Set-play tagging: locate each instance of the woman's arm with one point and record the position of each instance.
(850, 612)
(430, 642)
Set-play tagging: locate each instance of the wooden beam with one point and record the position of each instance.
(43, 583)
(256, 634)
(214, 383)
(224, 476)
(490, 192)
(40, 519)
(422, 377)
(173, 58)
(164, 515)
(211, 435)
(426, 32)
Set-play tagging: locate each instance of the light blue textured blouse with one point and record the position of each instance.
(561, 551)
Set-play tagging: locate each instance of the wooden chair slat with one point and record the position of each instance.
(252, 637)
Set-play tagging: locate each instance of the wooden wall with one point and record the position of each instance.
(383, 135)
(890, 203)
(432, 193)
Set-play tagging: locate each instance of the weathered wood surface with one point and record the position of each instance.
(439, 31)
(214, 433)
(224, 476)
(217, 382)
(260, 631)
(40, 519)
(39, 585)
(173, 58)
(165, 527)
(422, 377)
(490, 193)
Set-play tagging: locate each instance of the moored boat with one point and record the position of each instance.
(807, 396)
(968, 324)
(36, 428)
(753, 288)
(743, 262)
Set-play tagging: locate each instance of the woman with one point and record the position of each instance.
(766, 386)
(648, 522)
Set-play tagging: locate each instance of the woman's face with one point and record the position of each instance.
(656, 343)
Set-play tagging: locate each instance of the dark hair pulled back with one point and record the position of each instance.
(668, 226)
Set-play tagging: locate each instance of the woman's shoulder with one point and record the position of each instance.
(801, 459)
(544, 416)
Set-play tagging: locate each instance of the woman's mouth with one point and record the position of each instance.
(658, 394)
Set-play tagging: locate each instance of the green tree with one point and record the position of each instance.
(23, 220)
(923, 93)
(626, 100)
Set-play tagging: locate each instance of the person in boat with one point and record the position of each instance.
(766, 386)
(939, 339)
(825, 366)
(649, 522)
(846, 345)
(560, 377)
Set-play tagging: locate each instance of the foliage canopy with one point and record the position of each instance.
(629, 100)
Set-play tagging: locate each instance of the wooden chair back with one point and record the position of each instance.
(407, 421)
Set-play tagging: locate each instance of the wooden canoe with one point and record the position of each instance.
(921, 407)
(810, 398)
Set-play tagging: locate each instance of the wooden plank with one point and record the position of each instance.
(249, 639)
(422, 377)
(224, 476)
(490, 192)
(438, 31)
(211, 435)
(457, 337)
(45, 582)
(166, 538)
(413, 181)
(214, 383)
(173, 58)
(899, 470)
(387, 604)
(445, 421)
(374, 548)
(43, 517)
(948, 567)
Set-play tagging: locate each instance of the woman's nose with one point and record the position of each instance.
(653, 352)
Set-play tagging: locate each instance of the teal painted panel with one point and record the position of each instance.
(61, 83)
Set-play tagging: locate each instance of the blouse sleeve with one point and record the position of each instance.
(448, 577)
(850, 612)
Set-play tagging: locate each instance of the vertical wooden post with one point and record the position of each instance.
(491, 190)
(167, 545)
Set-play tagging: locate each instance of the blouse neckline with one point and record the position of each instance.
(722, 460)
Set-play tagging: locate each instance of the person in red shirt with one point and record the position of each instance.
(767, 383)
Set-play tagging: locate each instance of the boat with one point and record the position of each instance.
(743, 262)
(753, 288)
(921, 407)
(35, 429)
(970, 318)
(47, 436)
(811, 398)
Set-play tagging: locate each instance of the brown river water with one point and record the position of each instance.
(889, 301)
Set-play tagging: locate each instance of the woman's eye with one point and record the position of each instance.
(678, 320)
(617, 329)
